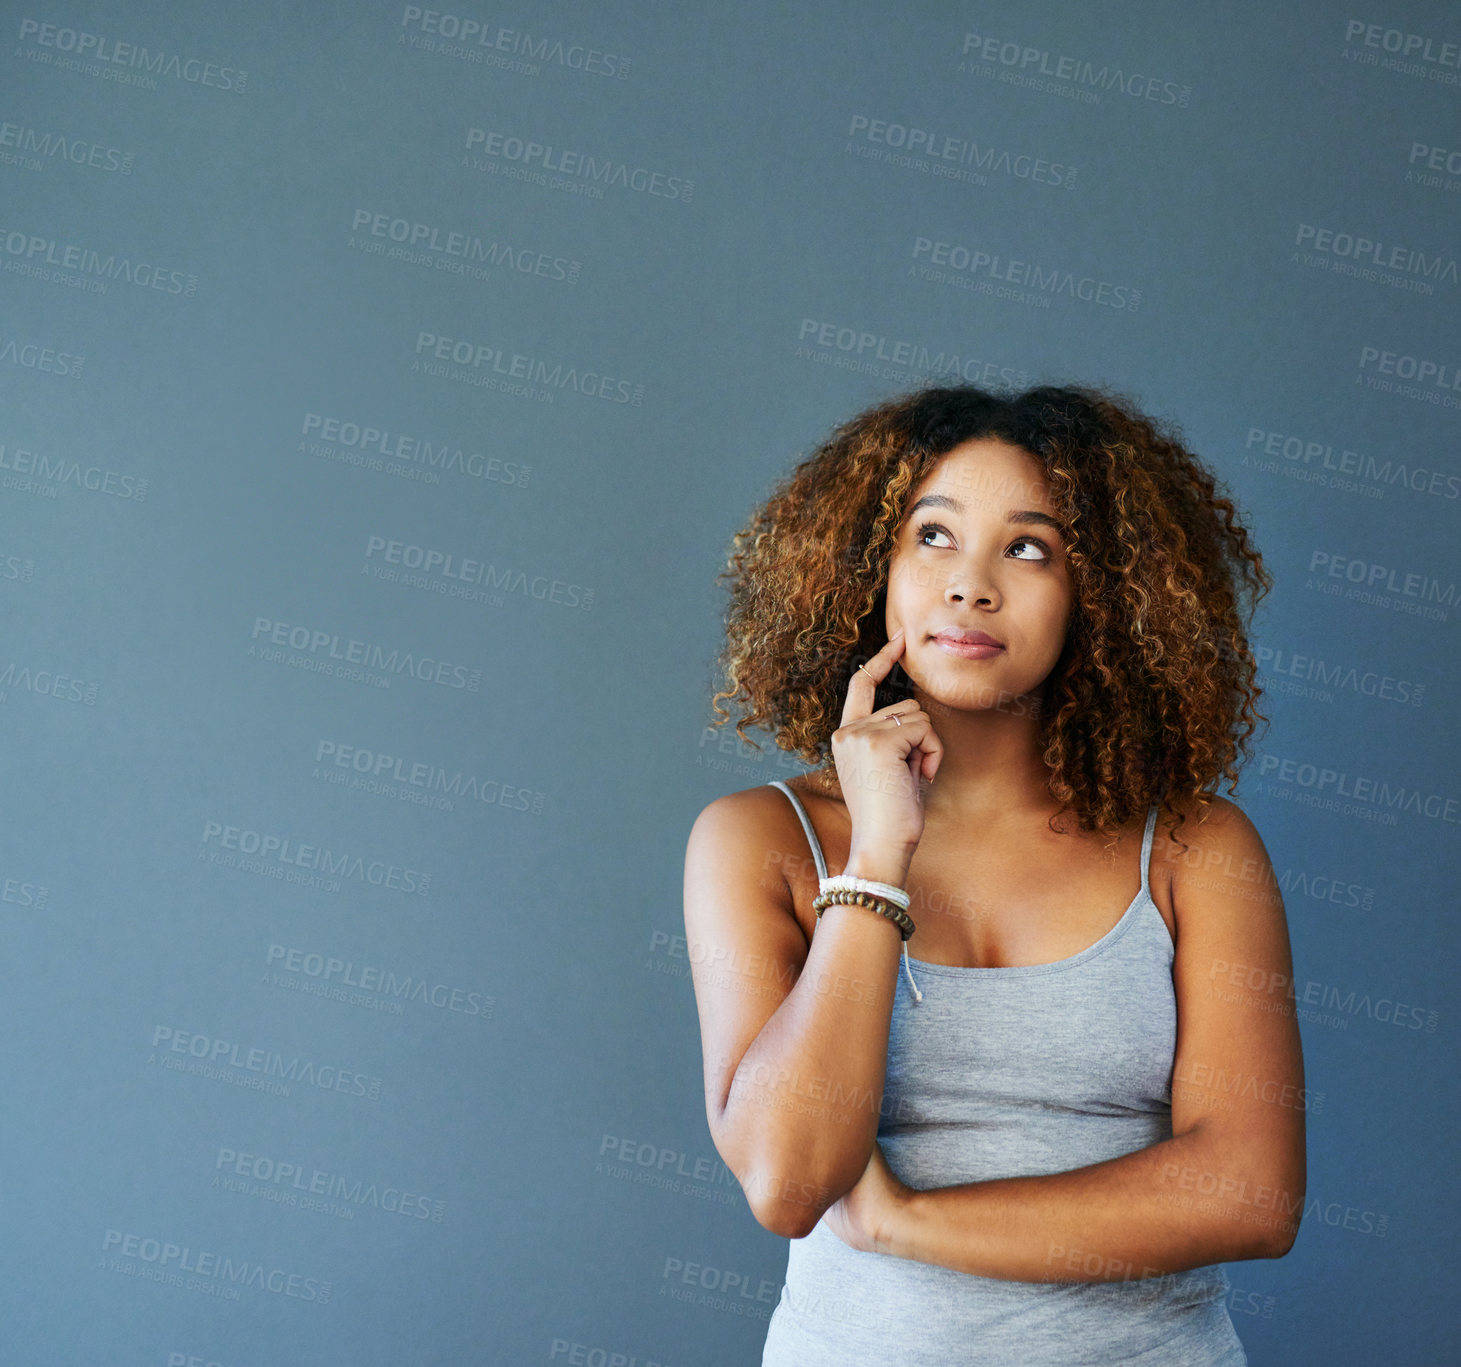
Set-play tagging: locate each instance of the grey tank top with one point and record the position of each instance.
(1008, 1072)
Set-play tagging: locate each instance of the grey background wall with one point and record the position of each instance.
(382, 385)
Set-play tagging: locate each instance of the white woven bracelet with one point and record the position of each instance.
(898, 896)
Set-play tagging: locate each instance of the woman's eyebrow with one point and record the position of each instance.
(1040, 519)
(1028, 515)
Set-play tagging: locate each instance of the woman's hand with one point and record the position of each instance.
(881, 760)
(863, 1218)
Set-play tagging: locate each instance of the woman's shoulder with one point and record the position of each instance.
(817, 790)
(762, 817)
(750, 843)
(1216, 822)
(1214, 848)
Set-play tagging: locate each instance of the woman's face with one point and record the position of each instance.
(980, 551)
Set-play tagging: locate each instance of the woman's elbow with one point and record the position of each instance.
(786, 1206)
(1273, 1233)
(1280, 1237)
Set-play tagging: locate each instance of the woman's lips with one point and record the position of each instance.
(967, 650)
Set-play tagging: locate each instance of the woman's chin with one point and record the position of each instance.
(944, 694)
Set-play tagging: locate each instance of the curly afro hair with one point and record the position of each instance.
(1153, 697)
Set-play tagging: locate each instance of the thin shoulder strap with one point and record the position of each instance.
(806, 826)
(1146, 850)
(816, 845)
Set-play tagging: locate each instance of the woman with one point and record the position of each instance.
(1015, 625)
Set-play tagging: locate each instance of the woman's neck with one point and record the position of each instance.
(991, 766)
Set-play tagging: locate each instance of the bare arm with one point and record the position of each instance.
(795, 1037)
(795, 1030)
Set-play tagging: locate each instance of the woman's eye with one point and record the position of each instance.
(1024, 544)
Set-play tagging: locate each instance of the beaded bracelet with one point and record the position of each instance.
(897, 896)
(853, 897)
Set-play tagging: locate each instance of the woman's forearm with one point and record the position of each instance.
(1196, 1199)
(802, 1109)
(801, 1113)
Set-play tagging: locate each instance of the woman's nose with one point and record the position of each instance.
(969, 584)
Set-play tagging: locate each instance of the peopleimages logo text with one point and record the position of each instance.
(954, 150)
(95, 47)
(598, 170)
(366, 654)
(36, 252)
(470, 33)
(485, 359)
(217, 1054)
(32, 144)
(1054, 280)
(1037, 61)
(182, 1258)
(1416, 46)
(1372, 251)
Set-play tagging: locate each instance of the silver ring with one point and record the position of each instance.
(895, 718)
(865, 672)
